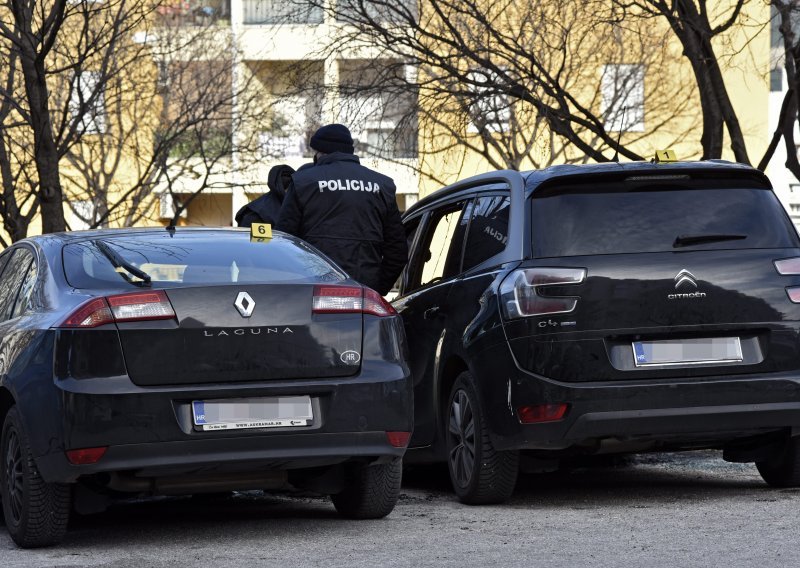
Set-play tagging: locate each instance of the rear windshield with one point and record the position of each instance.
(193, 258)
(613, 219)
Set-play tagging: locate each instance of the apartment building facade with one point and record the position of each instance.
(279, 53)
(279, 50)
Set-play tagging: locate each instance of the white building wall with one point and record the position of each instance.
(786, 185)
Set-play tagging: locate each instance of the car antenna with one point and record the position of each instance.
(171, 229)
(619, 136)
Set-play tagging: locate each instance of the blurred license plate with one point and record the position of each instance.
(232, 414)
(687, 351)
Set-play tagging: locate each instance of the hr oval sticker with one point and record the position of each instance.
(350, 357)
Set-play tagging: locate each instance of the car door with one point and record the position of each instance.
(435, 261)
(487, 222)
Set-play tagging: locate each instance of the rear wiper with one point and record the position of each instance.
(686, 240)
(119, 262)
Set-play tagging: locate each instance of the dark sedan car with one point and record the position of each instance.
(603, 308)
(192, 360)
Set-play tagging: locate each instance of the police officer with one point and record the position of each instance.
(347, 211)
(266, 208)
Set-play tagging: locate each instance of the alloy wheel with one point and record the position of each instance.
(461, 433)
(14, 475)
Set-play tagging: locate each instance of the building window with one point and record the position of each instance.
(378, 107)
(776, 80)
(83, 211)
(361, 11)
(622, 91)
(292, 119)
(167, 206)
(87, 102)
(490, 109)
(258, 12)
(379, 124)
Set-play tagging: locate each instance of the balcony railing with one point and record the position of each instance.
(194, 12)
(272, 12)
(354, 11)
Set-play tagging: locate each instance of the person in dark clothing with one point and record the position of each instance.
(266, 208)
(347, 211)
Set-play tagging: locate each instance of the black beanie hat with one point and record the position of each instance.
(332, 138)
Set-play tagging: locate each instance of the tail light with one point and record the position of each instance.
(542, 413)
(91, 314)
(398, 439)
(141, 306)
(790, 267)
(350, 300)
(521, 291)
(136, 306)
(86, 456)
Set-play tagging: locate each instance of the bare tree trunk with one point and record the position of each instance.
(785, 118)
(789, 110)
(32, 62)
(694, 32)
(15, 224)
(46, 155)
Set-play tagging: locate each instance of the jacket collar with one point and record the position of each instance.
(337, 157)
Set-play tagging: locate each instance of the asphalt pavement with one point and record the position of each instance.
(690, 509)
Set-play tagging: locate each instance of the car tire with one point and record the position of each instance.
(479, 473)
(371, 491)
(783, 469)
(36, 513)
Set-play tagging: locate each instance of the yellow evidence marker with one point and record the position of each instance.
(665, 156)
(260, 233)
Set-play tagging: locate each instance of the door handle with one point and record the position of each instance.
(431, 312)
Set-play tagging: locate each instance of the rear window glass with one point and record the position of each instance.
(613, 219)
(194, 258)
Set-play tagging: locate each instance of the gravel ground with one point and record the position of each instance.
(688, 509)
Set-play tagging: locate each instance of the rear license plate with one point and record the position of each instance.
(687, 351)
(233, 414)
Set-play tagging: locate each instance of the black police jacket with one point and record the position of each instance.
(348, 212)
(265, 209)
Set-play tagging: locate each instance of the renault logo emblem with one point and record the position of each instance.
(685, 277)
(245, 304)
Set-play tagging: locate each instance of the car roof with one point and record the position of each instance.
(77, 236)
(534, 178)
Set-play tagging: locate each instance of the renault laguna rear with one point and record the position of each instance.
(186, 361)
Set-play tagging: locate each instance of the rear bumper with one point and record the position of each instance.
(150, 432)
(253, 453)
(667, 412)
(673, 422)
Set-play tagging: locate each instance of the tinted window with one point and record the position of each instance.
(11, 280)
(440, 250)
(190, 258)
(24, 299)
(488, 229)
(4, 260)
(411, 228)
(607, 219)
